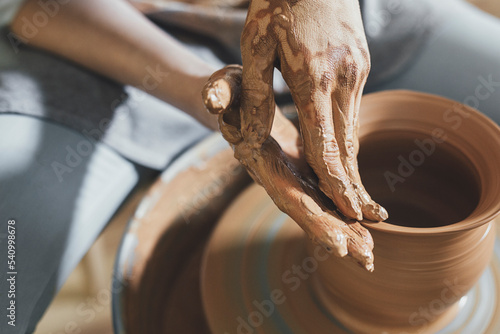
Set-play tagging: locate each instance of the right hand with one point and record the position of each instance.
(321, 50)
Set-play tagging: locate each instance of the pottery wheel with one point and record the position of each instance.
(156, 279)
(257, 276)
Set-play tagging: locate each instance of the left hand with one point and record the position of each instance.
(280, 167)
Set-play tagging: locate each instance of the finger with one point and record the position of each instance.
(223, 92)
(322, 152)
(257, 99)
(371, 209)
(288, 137)
(221, 96)
(223, 89)
(297, 199)
(345, 101)
(360, 244)
(229, 130)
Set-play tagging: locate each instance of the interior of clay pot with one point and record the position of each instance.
(421, 182)
(441, 157)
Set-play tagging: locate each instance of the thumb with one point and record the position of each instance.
(222, 91)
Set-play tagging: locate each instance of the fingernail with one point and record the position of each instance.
(375, 212)
(363, 256)
(368, 261)
(339, 244)
(380, 213)
(383, 213)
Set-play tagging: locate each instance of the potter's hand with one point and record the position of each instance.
(283, 172)
(321, 50)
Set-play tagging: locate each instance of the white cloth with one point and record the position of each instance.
(8, 9)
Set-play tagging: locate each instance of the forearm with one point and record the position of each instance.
(113, 39)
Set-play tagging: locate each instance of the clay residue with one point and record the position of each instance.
(293, 189)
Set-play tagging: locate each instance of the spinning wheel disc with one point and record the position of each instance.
(258, 278)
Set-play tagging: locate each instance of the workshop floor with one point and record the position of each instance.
(83, 301)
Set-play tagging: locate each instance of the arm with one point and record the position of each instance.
(115, 40)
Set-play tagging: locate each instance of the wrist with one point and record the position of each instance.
(182, 88)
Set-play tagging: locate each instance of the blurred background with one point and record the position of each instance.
(83, 305)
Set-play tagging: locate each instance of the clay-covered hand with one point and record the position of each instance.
(278, 164)
(321, 50)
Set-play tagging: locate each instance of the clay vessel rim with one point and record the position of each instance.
(464, 225)
(475, 219)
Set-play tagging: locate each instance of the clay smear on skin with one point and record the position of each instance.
(273, 21)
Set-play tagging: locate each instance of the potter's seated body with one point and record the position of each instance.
(319, 46)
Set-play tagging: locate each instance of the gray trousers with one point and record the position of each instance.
(58, 190)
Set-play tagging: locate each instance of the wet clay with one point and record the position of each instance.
(257, 254)
(439, 179)
(422, 182)
(432, 253)
(321, 51)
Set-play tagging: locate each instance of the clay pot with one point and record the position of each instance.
(435, 165)
(260, 273)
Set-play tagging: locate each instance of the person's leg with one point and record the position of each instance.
(461, 62)
(58, 190)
